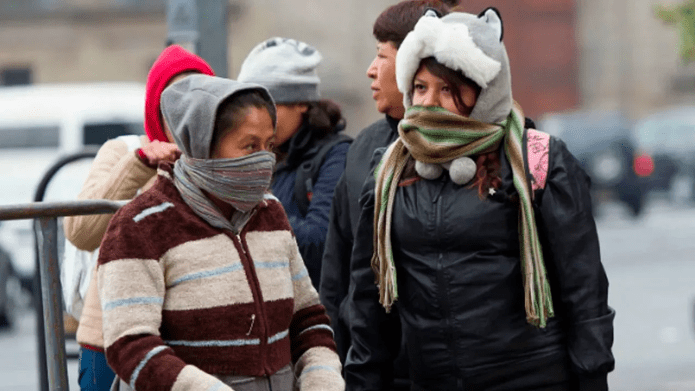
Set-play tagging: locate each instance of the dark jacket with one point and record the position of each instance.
(310, 228)
(345, 213)
(461, 299)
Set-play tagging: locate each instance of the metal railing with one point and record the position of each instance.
(50, 332)
(47, 214)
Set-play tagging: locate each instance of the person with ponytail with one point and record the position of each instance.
(311, 148)
(492, 264)
(122, 167)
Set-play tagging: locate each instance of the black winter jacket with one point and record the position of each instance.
(461, 299)
(345, 213)
(310, 227)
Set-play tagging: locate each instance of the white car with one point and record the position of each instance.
(39, 124)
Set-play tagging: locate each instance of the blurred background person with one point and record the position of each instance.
(309, 146)
(122, 168)
(200, 278)
(461, 250)
(389, 30)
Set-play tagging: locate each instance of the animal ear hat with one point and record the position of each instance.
(470, 44)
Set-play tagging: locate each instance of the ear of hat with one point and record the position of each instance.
(450, 43)
(286, 67)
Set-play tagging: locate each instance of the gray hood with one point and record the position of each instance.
(471, 44)
(190, 105)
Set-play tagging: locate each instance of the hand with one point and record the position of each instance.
(158, 151)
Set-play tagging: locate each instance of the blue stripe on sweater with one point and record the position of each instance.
(271, 265)
(150, 211)
(234, 342)
(216, 386)
(132, 301)
(318, 368)
(317, 327)
(278, 336)
(300, 275)
(208, 273)
(216, 344)
(148, 357)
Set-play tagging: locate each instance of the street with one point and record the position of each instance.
(650, 264)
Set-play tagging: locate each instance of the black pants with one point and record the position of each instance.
(546, 375)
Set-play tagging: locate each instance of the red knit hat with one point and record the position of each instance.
(173, 60)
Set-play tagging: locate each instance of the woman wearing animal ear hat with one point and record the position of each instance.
(480, 231)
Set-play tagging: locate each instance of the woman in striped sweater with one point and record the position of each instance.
(200, 278)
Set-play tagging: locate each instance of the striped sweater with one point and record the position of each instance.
(183, 301)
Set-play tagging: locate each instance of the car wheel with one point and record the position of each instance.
(636, 206)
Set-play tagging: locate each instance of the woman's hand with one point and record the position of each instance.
(158, 151)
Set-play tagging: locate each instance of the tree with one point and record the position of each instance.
(683, 17)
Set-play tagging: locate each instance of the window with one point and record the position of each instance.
(15, 76)
(30, 137)
(97, 134)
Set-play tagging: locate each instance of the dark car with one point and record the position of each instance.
(604, 144)
(10, 289)
(668, 139)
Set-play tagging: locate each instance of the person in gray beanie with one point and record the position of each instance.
(310, 147)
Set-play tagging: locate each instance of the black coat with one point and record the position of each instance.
(461, 299)
(345, 213)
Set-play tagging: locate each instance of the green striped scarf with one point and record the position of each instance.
(435, 135)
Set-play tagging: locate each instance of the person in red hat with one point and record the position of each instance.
(123, 167)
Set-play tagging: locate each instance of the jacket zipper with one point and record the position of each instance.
(441, 277)
(255, 285)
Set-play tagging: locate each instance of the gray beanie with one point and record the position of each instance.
(286, 67)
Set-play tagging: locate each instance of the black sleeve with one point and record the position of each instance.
(571, 247)
(375, 334)
(335, 267)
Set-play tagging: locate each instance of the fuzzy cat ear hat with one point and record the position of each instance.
(472, 45)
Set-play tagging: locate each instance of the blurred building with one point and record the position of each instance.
(55, 41)
(564, 54)
(629, 58)
(541, 42)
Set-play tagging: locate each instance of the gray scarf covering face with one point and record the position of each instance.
(190, 107)
(241, 182)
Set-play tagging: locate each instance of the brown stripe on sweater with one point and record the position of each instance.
(279, 316)
(127, 352)
(312, 340)
(303, 319)
(307, 317)
(273, 218)
(245, 361)
(226, 323)
(163, 230)
(229, 360)
(160, 375)
(279, 355)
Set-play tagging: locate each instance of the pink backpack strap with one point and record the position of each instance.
(537, 147)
